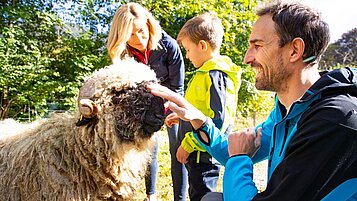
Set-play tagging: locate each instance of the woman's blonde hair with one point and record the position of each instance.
(122, 26)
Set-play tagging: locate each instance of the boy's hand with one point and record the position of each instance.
(172, 119)
(182, 155)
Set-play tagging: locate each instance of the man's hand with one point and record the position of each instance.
(244, 142)
(179, 105)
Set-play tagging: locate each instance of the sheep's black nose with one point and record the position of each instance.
(154, 116)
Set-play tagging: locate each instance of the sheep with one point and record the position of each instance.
(10, 127)
(98, 152)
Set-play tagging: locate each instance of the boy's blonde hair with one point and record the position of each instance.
(207, 27)
(122, 26)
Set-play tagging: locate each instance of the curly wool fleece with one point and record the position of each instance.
(101, 158)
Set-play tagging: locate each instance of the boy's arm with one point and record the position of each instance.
(182, 155)
(216, 97)
(190, 144)
(216, 100)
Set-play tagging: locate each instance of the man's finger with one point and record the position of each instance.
(158, 90)
(258, 139)
(176, 109)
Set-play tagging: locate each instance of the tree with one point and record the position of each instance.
(47, 47)
(343, 52)
(41, 60)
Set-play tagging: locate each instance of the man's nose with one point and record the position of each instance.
(249, 56)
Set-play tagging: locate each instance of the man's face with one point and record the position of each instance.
(266, 57)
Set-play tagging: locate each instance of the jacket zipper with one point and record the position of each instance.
(272, 149)
(285, 136)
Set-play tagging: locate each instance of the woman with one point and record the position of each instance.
(135, 33)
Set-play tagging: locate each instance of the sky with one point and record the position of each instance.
(341, 15)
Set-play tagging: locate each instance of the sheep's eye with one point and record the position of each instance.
(118, 93)
(94, 99)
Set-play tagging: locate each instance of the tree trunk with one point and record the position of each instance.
(4, 105)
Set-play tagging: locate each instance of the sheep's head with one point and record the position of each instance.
(117, 97)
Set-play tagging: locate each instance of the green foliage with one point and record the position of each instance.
(341, 53)
(47, 47)
(252, 100)
(42, 61)
(23, 62)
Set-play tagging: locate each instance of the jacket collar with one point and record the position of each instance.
(157, 53)
(333, 82)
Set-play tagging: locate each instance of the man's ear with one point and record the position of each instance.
(297, 49)
(203, 45)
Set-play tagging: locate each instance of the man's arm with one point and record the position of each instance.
(318, 160)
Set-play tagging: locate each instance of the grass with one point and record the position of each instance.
(164, 182)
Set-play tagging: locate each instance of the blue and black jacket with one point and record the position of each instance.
(312, 149)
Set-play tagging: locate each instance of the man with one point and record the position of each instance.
(310, 137)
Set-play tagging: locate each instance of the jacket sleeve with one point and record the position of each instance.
(238, 179)
(238, 176)
(216, 100)
(319, 158)
(216, 96)
(190, 144)
(319, 162)
(176, 67)
(217, 145)
(218, 141)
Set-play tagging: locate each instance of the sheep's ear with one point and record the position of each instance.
(87, 108)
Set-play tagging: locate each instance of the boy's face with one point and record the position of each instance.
(194, 52)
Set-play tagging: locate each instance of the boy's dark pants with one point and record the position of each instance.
(202, 176)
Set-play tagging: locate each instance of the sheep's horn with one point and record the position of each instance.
(87, 108)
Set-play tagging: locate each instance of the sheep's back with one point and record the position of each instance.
(60, 161)
(32, 165)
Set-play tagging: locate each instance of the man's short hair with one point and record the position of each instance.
(295, 20)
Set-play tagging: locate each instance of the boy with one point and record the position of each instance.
(213, 89)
